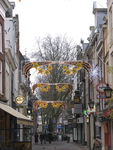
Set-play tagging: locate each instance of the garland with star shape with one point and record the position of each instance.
(44, 87)
(40, 70)
(62, 89)
(44, 104)
(37, 65)
(74, 69)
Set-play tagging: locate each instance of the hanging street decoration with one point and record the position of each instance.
(44, 104)
(44, 87)
(62, 88)
(94, 73)
(37, 65)
(77, 65)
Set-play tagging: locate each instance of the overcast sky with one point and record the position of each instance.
(56, 17)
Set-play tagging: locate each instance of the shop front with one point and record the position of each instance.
(80, 129)
(12, 137)
(107, 129)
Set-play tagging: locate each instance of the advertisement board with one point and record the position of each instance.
(19, 100)
(72, 104)
(75, 133)
(78, 108)
(76, 99)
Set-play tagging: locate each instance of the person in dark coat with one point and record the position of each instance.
(44, 136)
(36, 137)
(41, 138)
(50, 136)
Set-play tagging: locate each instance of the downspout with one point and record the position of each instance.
(88, 102)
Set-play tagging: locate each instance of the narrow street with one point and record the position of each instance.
(58, 145)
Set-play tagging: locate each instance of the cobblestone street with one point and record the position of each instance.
(58, 145)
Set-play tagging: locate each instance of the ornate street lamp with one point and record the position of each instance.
(91, 104)
(108, 91)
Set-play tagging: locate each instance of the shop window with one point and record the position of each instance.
(98, 132)
(0, 38)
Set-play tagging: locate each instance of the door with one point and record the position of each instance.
(106, 135)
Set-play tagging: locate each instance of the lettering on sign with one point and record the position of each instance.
(72, 104)
(76, 99)
(100, 96)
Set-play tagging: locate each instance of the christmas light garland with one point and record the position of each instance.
(37, 65)
(45, 86)
(44, 104)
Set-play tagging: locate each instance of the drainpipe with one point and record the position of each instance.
(88, 102)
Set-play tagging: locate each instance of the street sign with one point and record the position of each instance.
(76, 99)
(72, 104)
(100, 96)
(101, 86)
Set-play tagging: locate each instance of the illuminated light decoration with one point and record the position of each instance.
(41, 86)
(64, 67)
(46, 72)
(29, 65)
(94, 73)
(44, 104)
(35, 65)
(68, 72)
(40, 70)
(74, 70)
(77, 64)
(62, 88)
(49, 67)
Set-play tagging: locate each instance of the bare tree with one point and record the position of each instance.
(54, 49)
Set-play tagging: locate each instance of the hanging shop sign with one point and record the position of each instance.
(101, 86)
(19, 100)
(91, 110)
(76, 99)
(75, 133)
(72, 104)
(78, 108)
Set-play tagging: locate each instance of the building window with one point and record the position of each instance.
(60, 120)
(0, 38)
(98, 132)
(0, 77)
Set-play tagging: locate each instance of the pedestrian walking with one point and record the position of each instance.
(44, 136)
(50, 137)
(41, 138)
(36, 137)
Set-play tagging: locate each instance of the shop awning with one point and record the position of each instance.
(21, 119)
